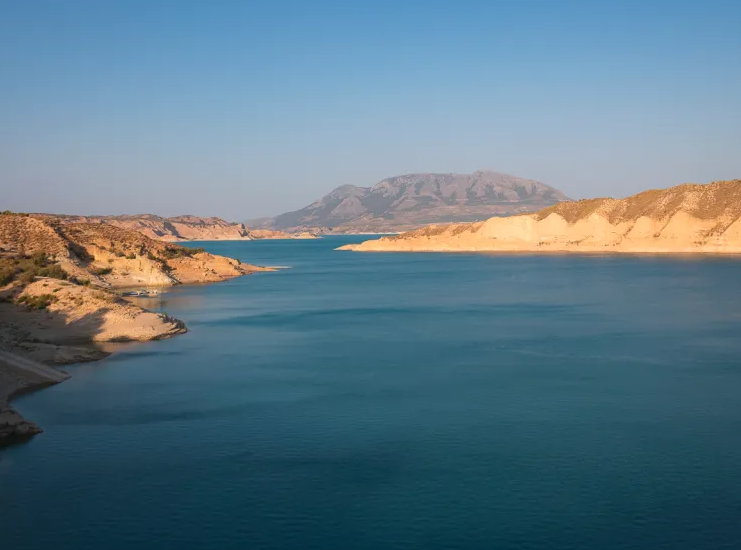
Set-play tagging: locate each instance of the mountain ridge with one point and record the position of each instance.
(412, 200)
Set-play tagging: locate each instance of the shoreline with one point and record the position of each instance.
(20, 377)
(59, 345)
(59, 305)
(542, 252)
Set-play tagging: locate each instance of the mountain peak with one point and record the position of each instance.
(412, 200)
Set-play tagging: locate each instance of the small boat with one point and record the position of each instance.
(141, 293)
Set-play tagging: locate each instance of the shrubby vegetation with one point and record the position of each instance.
(25, 269)
(101, 271)
(180, 252)
(42, 301)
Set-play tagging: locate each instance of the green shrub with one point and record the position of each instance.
(42, 301)
(39, 259)
(181, 252)
(101, 271)
(26, 277)
(131, 256)
(6, 276)
(26, 269)
(54, 271)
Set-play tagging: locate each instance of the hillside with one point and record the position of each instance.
(413, 200)
(109, 256)
(181, 228)
(684, 219)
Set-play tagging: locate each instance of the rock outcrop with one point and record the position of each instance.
(111, 256)
(688, 218)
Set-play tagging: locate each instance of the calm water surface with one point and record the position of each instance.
(403, 402)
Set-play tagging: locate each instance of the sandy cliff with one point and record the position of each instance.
(688, 218)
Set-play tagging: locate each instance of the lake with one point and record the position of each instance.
(403, 401)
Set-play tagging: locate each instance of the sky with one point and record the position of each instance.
(250, 108)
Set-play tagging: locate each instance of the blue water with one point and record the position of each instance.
(380, 401)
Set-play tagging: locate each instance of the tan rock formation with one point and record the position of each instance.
(110, 256)
(182, 228)
(688, 218)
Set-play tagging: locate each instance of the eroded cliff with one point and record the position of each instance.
(689, 218)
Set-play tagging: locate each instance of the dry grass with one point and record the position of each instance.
(721, 199)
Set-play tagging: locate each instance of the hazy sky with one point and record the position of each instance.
(249, 108)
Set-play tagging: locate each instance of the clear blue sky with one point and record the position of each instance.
(248, 108)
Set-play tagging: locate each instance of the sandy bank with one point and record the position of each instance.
(688, 219)
(72, 326)
(19, 375)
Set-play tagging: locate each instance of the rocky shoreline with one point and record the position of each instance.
(18, 377)
(75, 328)
(56, 303)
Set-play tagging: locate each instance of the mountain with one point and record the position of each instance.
(417, 199)
(183, 228)
(682, 219)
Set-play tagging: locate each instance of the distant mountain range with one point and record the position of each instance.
(409, 201)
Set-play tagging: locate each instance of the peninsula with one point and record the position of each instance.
(57, 303)
(689, 218)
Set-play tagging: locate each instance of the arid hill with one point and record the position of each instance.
(183, 228)
(109, 256)
(412, 200)
(684, 219)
